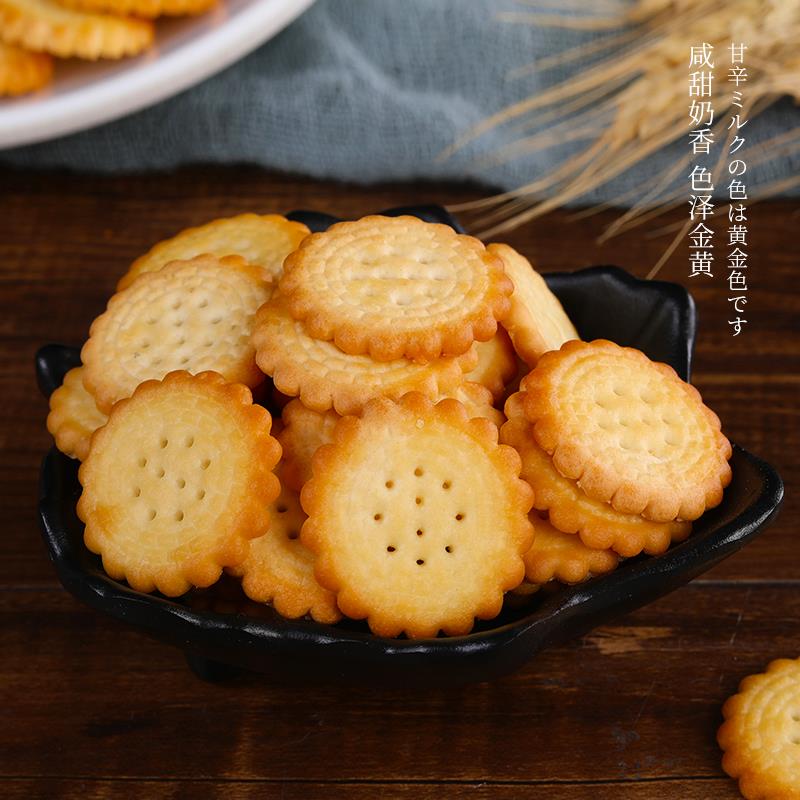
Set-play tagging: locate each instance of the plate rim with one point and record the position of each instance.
(39, 120)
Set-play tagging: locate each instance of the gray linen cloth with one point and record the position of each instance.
(364, 91)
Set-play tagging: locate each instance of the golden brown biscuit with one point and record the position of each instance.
(279, 569)
(537, 321)
(143, 8)
(497, 363)
(22, 71)
(761, 733)
(195, 315)
(263, 241)
(178, 481)
(560, 556)
(418, 518)
(324, 377)
(477, 400)
(395, 287)
(628, 430)
(570, 510)
(45, 26)
(74, 416)
(304, 432)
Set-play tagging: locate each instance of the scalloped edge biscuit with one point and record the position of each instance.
(22, 71)
(46, 26)
(560, 556)
(326, 316)
(74, 416)
(497, 363)
(278, 338)
(304, 432)
(281, 573)
(660, 491)
(324, 490)
(766, 708)
(184, 245)
(571, 510)
(536, 322)
(246, 518)
(109, 379)
(142, 8)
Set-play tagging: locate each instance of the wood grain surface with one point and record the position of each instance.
(90, 709)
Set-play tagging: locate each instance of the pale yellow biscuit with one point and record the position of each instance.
(22, 71)
(497, 363)
(536, 321)
(418, 518)
(279, 569)
(560, 556)
(195, 315)
(263, 241)
(570, 510)
(761, 733)
(304, 432)
(628, 430)
(74, 416)
(395, 287)
(178, 481)
(477, 400)
(143, 8)
(46, 26)
(324, 377)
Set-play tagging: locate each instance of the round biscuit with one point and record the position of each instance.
(628, 430)
(396, 287)
(324, 377)
(178, 481)
(418, 517)
(195, 315)
(304, 432)
(570, 510)
(263, 241)
(74, 416)
(761, 733)
(22, 71)
(279, 568)
(143, 8)
(497, 363)
(45, 26)
(560, 556)
(536, 321)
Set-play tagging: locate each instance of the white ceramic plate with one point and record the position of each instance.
(186, 51)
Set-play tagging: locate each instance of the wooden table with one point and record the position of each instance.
(92, 709)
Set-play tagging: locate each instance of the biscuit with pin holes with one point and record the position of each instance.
(570, 510)
(304, 432)
(143, 8)
(22, 71)
(628, 430)
(395, 287)
(761, 733)
(263, 241)
(324, 377)
(195, 315)
(418, 517)
(178, 481)
(74, 416)
(279, 569)
(560, 556)
(536, 321)
(45, 26)
(497, 363)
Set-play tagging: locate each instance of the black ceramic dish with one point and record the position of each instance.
(218, 630)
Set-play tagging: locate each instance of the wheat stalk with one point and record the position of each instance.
(635, 102)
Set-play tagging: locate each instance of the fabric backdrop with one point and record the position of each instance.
(361, 90)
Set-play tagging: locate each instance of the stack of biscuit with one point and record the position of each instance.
(392, 487)
(34, 32)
